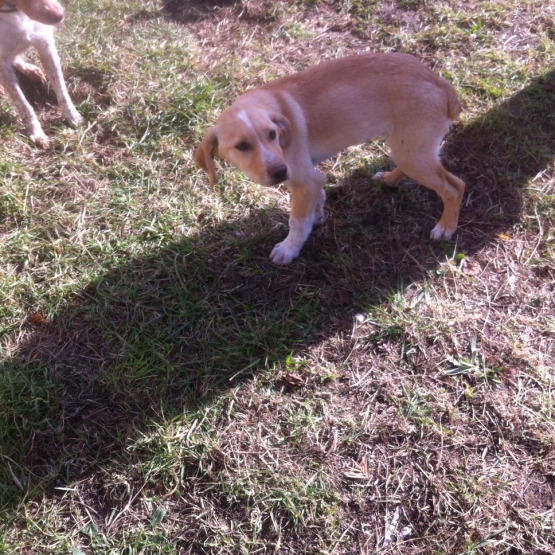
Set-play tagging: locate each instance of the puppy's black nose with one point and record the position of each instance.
(279, 173)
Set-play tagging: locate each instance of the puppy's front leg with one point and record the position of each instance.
(307, 210)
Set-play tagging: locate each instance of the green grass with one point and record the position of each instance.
(165, 389)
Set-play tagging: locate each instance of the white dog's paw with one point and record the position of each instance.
(75, 118)
(40, 139)
(439, 232)
(283, 254)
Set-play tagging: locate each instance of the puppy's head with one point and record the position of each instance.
(251, 139)
(48, 12)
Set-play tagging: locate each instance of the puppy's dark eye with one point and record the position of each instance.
(272, 134)
(242, 146)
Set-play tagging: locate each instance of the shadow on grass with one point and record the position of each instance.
(188, 11)
(172, 329)
(497, 155)
(175, 328)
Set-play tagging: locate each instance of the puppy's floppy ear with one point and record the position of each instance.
(204, 155)
(284, 129)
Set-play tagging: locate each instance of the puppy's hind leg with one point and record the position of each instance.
(417, 156)
(452, 195)
(450, 188)
(307, 210)
(389, 178)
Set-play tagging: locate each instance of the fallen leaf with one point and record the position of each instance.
(37, 319)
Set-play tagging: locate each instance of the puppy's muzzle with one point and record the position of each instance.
(278, 174)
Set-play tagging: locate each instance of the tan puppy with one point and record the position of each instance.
(277, 133)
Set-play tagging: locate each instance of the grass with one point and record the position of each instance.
(165, 389)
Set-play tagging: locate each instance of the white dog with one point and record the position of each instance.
(26, 23)
(277, 133)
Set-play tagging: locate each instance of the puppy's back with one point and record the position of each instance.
(355, 99)
(380, 78)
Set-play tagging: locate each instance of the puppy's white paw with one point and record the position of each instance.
(319, 215)
(439, 232)
(283, 254)
(387, 178)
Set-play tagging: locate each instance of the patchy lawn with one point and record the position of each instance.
(165, 389)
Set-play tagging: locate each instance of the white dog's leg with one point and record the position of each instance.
(307, 209)
(51, 62)
(11, 86)
(30, 71)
